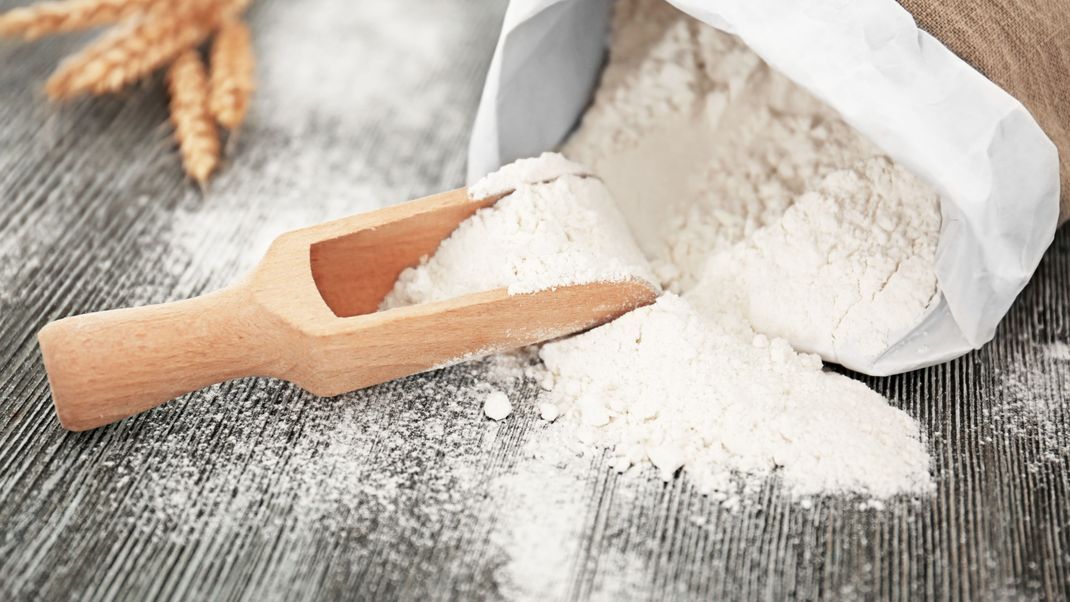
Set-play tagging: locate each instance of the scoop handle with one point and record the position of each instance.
(112, 364)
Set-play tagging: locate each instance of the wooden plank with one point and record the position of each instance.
(256, 490)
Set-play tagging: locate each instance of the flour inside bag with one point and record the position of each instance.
(816, 170)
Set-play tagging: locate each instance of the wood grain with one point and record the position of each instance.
(257, 490)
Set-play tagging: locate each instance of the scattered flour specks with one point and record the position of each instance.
(1058, 351)
(1028, 399)
(496, 405)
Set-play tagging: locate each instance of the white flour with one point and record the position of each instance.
(496, 405)
(544, 168)
(545, 234)
(854, 256)
(770, 215)
(716, 158)
(412, 473)
(700, 142)
(663, 384)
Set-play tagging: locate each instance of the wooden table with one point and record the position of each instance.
(257, 490)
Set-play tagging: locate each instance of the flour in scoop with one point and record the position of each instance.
(524, 172)
(555, 229)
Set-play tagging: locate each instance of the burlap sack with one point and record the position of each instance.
(1022, 45)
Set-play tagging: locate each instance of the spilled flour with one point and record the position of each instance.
(411, 480)
(666, 384)
(782, 235)
(496, 405)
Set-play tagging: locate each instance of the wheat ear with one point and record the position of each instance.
(232, 74)
(126, 55)
(198, 140)
(32, 22)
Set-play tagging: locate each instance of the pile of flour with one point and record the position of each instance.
(738, 182)
(854, 256)
(780, 233)
(665, 385)
(557, 228)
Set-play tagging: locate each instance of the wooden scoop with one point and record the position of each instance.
(307, 314)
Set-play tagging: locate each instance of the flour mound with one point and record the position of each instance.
(543, 235)
(665, 385)
(774, 224)
(844, 273)
(735, 180)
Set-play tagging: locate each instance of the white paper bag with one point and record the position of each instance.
(996, 170)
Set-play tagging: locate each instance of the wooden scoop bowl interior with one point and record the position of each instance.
(308, 314)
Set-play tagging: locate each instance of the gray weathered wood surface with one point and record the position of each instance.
(256, 490)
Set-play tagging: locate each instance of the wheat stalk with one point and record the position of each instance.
(198, 140)
(155, 33)
(232, 74)
(132, 52)
(32, 22)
